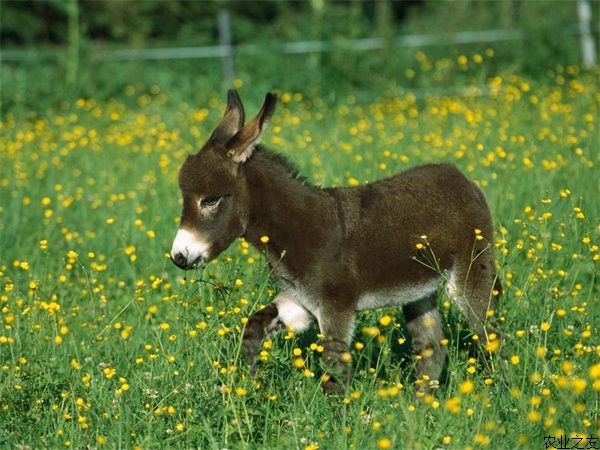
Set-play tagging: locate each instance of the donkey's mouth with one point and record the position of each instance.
(198, 262)
(181, 261)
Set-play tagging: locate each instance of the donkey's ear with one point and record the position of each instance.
(241, 145)
(233, 118)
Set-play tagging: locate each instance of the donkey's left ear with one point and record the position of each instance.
(241, 145)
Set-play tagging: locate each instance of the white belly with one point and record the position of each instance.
(397, 296)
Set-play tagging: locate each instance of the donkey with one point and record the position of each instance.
(340, 250)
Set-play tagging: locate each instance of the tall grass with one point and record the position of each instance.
(106, 344)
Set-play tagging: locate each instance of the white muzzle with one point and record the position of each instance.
(188, 249)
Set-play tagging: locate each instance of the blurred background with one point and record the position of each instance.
(61, 50)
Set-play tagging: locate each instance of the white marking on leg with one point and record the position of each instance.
(292, 314)
(190, 245)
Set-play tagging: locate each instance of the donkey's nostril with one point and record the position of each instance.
(180, 260)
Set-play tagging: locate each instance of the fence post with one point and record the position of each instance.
(225, 42)
(584, 12)
(72, 63)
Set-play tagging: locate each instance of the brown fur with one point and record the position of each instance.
(331, 247)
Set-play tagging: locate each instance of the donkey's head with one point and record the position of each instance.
(214, 196)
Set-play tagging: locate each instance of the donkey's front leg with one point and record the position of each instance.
(275, 317)
(337, 325)
(259, 326)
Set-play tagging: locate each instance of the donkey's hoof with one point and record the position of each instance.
(331, 387)
(253, 368)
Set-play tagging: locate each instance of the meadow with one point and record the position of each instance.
(106, 344)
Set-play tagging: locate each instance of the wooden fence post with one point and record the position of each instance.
(72, 63)
(588, 50)
(227, 48)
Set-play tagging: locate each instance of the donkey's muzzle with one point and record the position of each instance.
(188, 250)
(180, 260)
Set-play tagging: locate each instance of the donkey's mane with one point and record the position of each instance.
(281, 162)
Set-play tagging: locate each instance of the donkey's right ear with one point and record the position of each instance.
(233, 118)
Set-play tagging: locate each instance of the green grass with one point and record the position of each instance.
(106, 344)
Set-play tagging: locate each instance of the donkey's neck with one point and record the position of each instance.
(297, 218)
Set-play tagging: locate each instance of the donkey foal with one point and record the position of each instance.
(336, 251)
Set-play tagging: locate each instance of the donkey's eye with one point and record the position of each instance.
(209, 202)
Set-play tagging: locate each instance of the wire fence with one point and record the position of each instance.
(226, 51)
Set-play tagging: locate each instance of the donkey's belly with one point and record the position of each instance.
(397, 296)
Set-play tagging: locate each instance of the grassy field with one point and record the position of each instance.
(106, 344)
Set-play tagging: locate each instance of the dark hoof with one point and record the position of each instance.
(331, 387)
(253, 366)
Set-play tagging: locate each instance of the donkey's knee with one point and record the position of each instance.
(259, 325)
(336, 361)
(337, 326)
(275, 317)
(424, 324)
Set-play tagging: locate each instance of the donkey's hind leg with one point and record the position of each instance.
(424, 324)
(474, 288)
(273, 318)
